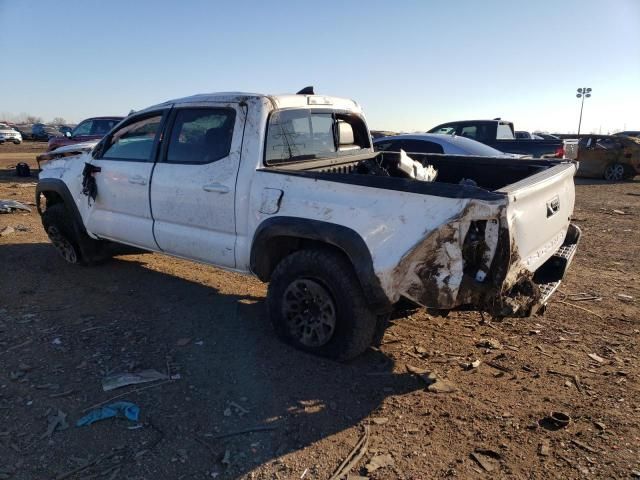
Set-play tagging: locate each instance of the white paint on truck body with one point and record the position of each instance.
(415, 240)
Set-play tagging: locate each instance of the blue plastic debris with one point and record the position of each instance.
(126, 409)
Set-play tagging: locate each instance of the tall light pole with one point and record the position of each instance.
(583, 93)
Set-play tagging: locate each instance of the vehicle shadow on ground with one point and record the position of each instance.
(235, 374)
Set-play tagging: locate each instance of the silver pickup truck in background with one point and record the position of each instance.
(289, 188)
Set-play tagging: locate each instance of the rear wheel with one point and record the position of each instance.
(614, 172)
(316, 304)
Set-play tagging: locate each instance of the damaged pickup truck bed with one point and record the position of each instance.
(289, 188)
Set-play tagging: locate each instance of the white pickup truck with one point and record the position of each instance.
(289, 188)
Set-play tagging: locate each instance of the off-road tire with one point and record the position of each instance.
(354, 323)
(75, 246)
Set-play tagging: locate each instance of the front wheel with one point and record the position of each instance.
(75, 246)
(614, 172)
(316, 304)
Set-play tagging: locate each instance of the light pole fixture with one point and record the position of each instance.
(584, 92)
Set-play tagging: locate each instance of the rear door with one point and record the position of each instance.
(193, 187)
(121, 210)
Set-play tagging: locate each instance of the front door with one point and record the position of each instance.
(121, 210)
(193, 187)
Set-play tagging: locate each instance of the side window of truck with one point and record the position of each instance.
(134, 140)
(201, 135)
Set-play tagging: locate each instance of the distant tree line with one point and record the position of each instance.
(28, 118)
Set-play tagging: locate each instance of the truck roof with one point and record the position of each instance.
(280, 100)
(476, 121)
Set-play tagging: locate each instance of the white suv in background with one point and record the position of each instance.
(9, 134)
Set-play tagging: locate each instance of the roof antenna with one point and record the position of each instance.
(306, 91)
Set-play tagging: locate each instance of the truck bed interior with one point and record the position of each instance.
(458, 176)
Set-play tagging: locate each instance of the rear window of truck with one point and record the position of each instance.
(303, 134)
(504, 132)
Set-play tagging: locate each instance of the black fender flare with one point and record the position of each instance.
(338, 236)
(60, 188)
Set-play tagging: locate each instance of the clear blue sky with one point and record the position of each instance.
(411, 64)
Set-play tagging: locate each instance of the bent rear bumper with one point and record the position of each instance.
(531, 294)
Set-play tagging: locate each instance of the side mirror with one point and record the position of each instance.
(67, 134)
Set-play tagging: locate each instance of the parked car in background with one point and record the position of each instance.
(90, 129)
(522, 135)
(628, 133)
(546, 136)
(42, 132)
(9, 134)
(438, 143)
(499, 134)
(611, 157)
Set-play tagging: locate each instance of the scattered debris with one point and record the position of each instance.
(379, 461)
(497, 366)
(183, 342)
(580, 308)
(259, 428)
(619, 212)
(9, 206)
(625, 298)
(484, 462)
(442, 386)
(380, 420)
(57, 423)
(472, 365)
(596, 357)
(119, 380)
(415, 370)
(601, 426)
(353, 457)
(7, 231)
(584, 446)
(126, 409)
(490, 343)
(226, 459)
(560, 419)
(544, 448)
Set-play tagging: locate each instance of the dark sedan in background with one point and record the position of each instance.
(90, 129)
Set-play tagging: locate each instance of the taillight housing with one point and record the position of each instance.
(559, 152)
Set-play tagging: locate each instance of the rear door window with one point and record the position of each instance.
(201, 135)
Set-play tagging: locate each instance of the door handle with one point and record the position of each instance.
(216, 187)
(138, 180)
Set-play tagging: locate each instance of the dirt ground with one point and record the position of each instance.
(63, 328)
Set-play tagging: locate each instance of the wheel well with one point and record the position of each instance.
(51, 197)
(275, 249)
